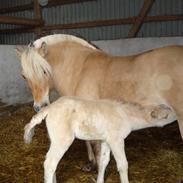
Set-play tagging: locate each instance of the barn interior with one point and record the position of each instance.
(119, 27)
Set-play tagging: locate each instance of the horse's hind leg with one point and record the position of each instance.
(103, 162)
(180, 123)
(91, 156)
(118, 150)
(179, 115)
(53, 157)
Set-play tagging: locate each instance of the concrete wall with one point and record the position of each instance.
(13, 88)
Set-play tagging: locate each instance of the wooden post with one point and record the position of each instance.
(139, 21)
(37, 16)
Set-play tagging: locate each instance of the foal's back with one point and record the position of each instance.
(97, 119)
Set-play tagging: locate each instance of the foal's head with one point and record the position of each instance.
(37, 72)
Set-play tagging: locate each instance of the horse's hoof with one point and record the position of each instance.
(89, 167)
(181, 181)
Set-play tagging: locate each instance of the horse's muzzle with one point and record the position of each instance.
(37, 108)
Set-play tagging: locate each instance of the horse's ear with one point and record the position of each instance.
(19, 52)
(43, 50)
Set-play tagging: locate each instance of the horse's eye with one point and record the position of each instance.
(23, 76)
(44, 72)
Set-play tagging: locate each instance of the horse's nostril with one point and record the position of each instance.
(37, 108)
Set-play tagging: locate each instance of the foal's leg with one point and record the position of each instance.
(103, 162)
(118, 150)
(53, 157)
(54, 178)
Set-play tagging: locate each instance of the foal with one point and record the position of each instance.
(109, 121)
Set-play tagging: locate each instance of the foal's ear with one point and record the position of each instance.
(19, 51)
(43, 50)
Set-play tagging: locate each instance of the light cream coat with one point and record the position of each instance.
(109, 121)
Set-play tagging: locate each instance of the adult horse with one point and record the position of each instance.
(74, 67)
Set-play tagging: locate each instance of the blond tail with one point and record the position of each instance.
(29, 128)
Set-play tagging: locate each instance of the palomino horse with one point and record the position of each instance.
(74, 67)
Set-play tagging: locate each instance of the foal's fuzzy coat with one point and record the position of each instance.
(109, 121)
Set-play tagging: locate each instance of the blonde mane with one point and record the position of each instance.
(56, 38)
(34, 65)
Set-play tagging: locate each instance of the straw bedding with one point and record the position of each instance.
(155, 155)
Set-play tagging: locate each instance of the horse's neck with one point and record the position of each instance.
(67, 61)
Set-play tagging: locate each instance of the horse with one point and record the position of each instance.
(74, 67)
(109, 121)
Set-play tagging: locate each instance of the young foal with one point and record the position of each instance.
(111, 122)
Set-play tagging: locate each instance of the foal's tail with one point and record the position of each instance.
(29, 128)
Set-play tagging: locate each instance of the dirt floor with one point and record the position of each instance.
(155, 155)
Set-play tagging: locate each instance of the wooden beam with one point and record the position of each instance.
(19, 21)
(97, 23)
(139, 21)
(163, 18)
(37, 10)
(74, 25)
(30, 6)
(16, 8)
(38, 16)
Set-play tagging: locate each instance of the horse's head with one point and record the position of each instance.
(37, 72)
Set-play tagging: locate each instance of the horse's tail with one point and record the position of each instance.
(29, 128)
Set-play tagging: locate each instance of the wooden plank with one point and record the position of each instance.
(16, 8)
(97, 23)
(19, 21)
(139, 21)
(163, 18)
(30, 6)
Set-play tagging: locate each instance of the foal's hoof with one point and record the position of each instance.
(89, 167)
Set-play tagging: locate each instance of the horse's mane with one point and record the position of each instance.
(34, 65)
(56, 38)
